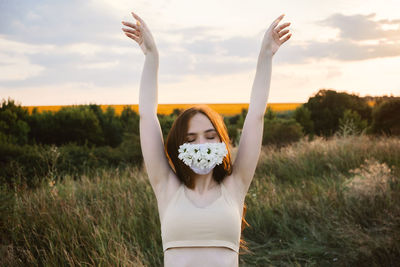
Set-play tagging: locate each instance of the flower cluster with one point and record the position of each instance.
(202, 155)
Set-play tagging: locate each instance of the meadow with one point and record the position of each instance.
(325, 202)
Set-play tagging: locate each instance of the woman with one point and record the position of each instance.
(200, 193)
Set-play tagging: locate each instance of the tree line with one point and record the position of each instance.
(83, 138)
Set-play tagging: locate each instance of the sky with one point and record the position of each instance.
(56, 52)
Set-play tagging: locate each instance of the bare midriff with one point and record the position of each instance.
(200, 256)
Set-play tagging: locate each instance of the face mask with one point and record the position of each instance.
(202, 158)
(203, 171)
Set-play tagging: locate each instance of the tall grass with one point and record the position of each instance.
(319, 203)
(104, 220)
(326, 203)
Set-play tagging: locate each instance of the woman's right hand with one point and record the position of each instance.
(141, 34)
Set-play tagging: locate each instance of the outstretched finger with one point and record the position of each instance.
(281, 27)
(129, 24)
(277, 20)
(286, 38)
(138, 18)
(132, 36)
(282, 33)
(131, 31)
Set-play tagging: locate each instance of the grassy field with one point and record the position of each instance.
(319, 203)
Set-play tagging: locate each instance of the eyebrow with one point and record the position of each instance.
(209, 130)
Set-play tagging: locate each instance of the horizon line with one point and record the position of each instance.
(242, 103)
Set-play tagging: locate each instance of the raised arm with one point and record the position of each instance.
(151, 138)
(251, 138)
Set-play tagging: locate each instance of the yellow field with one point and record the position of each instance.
(224, 109)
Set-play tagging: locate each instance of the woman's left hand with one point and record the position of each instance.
(272, 38)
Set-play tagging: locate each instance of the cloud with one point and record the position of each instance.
(15, 63)
(17, 68)
(361, 27)
(360, 38)
(350, 45)
(206, 53)
(56, 22)
(35, 64)
(48, 43)
(341, 50)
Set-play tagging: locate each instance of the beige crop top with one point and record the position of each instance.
(186, 225)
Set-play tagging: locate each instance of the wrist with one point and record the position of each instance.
(152, 55)
(266, 53)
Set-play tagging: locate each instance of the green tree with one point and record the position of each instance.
(351, 124)
(386, 118)
(241, 117)
(165, 124)
(281, 132)
(112, 128)
(13, 122)
(303, 116)
(130, 120)
(328, 106)
(177, 111)
(77, 124)
(269, 114)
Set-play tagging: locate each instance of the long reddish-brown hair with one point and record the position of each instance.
(177, 137)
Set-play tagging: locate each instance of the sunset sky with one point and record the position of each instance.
(74, 52)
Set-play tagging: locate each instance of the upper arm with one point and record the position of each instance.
(152, 145)
(249, 150)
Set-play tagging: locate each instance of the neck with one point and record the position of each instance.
(204, 183)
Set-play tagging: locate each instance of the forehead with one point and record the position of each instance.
(199, 123)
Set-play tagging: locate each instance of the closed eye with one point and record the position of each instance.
(207, 138)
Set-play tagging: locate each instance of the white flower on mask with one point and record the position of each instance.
(202, 155)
